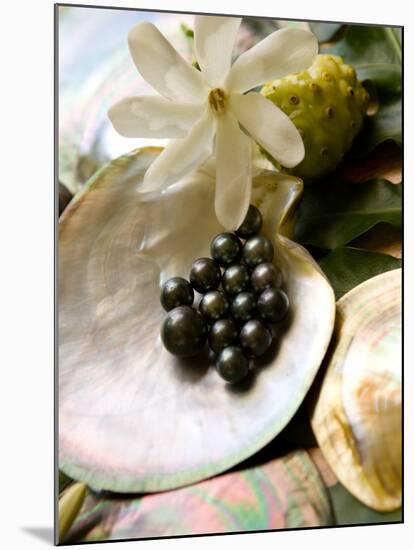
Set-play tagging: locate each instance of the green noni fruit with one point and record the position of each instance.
(327, 104)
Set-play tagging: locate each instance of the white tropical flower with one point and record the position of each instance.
(208, 111)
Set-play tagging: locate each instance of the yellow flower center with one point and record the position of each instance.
(217, 99)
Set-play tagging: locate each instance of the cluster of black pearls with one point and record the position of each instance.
(241, 296)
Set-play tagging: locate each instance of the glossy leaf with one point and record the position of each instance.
(363, 44)
(348, 267)
(384, 125)
(349, 511)
(64, 481)
(382, 238)
(387, 76)
(384, 162)
(325, 31)
(332, 213)
(376, 54)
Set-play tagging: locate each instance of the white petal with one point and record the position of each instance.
(163, 67)
(213, 41)
(153, 117)
(181, 156)
(270, 127)
(233, 177)
(283, 52)
(260, 162)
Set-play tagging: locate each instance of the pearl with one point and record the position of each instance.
(255, 338)
(232, 364)
(205, 275)
(252, 223)
(265, 275)
(273, 305)
(236, 279)
(222, 334)
(176, 292)
(243, 307)
(213, 306)
(257, 249)
(226, 249)
(184, 331)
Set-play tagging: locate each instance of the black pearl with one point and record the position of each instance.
(213, 306)
(222, 334)
(273, 305)
(243, 307)
(176, 292)
(226, 249)
(255, 338)
(257, 249)
(184, 331)
(205, 275)
(252, 223)
(265, 275)
(236, 279)
(232, 364)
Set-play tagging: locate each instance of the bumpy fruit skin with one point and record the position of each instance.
(327, 104)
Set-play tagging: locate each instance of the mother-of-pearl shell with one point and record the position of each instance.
(357, 417)
(131, 416)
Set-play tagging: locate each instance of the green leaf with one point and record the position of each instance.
(398, 34)
(387, 76)
(362, 45)
(349, 511)
(64, 481)
(376, 54)
(348, 267)
(385, 125)
(331, 213)
(325, 31)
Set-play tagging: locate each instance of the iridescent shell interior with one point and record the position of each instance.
(132, 417)
(357, 418)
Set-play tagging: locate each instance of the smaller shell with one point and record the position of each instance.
(357, 418)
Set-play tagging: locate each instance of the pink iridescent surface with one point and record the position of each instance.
(283, 493)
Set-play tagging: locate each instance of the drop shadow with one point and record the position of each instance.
(192, 369)
(45, 534)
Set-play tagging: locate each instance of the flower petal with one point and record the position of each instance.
(270, 127)
(163, 67)
(181, 156)
(213, 41)
(234, 176)
(281, 53)
(153, 117)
